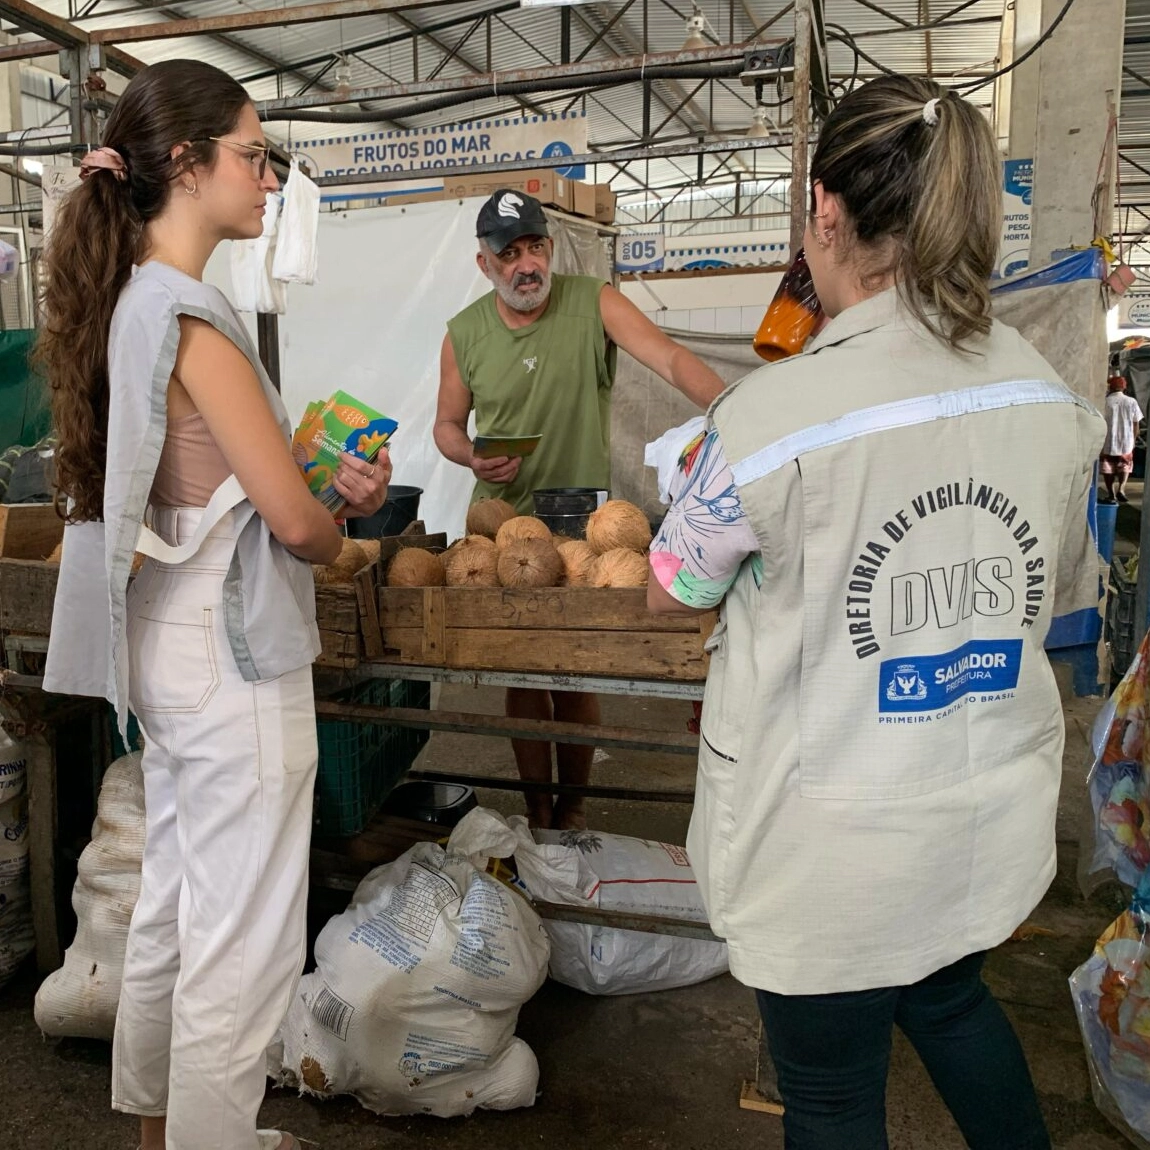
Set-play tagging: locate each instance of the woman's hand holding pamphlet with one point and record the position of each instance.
(327, 430)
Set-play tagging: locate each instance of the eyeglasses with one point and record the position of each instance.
(257, 154)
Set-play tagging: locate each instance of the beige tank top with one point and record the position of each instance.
(191, 466)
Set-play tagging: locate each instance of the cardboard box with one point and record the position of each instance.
(29, 530)
(604, 204)
(541, 183)
(415, 198)
(583, 199)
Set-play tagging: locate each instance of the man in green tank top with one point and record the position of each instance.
(536, 356)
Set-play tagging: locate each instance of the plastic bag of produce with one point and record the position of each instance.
(418, 984)
(615, 872)
(1111, 992)
(1117, 840)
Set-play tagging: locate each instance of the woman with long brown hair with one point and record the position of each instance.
(890, 521)
(173, 442)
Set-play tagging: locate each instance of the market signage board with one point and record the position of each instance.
(427, 150)
(1134, 310)
(1017, 193)
(642, 253)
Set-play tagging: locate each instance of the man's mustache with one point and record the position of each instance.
(524, 278)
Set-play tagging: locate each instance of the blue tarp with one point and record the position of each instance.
(1089, 264)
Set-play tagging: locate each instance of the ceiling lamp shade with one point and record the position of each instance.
(696, 26)
(761, 126)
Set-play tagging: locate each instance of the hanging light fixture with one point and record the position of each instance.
(696, 26)
(761, 126)
(342, 76)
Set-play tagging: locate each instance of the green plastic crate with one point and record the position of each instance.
(360, 763)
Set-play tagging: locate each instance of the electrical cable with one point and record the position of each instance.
(973, 86)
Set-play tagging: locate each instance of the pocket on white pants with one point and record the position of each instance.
(174, 663)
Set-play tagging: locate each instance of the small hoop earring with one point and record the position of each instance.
(824, 240)
(192, 190)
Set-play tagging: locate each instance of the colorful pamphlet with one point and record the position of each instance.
(496, 446)
(341, 424)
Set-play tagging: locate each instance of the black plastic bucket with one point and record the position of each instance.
(565, 510)
(441, 803)
(400, 510)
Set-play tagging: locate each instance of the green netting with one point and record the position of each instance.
(24, 416)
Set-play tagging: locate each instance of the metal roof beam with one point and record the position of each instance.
(260, 18)
(30, 18)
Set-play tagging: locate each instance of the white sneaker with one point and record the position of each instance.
(271, 1139)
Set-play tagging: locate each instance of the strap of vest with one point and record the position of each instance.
(229, 494)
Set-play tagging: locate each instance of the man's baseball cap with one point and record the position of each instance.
(508, 215)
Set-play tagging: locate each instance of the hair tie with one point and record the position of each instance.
(106, 160)
(930, 111)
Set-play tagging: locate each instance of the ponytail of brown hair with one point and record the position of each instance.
(929, 194)
(98, 234)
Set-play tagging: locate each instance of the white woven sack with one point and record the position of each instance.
(615, 872)
(17, 940)
(413, 1005)
(80, 999)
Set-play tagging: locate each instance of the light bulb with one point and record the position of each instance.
(761, 125)
(342, 76)
(696, 25)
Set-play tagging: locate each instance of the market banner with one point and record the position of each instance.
(442, 146)
(1017, 192)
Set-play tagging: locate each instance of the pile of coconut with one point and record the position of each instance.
(504, 549)
(353, 555)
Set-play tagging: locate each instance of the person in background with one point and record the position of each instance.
(890, 520)
(172, 440)
(536, 356)
(1117, 459)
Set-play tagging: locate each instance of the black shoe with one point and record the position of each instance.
(1106, 499)
(1122, 497)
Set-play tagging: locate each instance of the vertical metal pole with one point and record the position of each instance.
(802, 122)
(415, 53)
(564, 35)
(646, 112)
(268, 330)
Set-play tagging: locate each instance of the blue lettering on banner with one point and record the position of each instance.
(931, 682)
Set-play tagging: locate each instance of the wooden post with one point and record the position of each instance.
(268, 329)
(40, 752)
(800, 128)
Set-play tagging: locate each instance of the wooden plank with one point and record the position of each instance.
(337, 608)
(750, 1098)
(365, 584)
(40, 752)
(27, 593)
(29, 530)
(585, 734)
(550, 609)
(338, 649)
(434, 647)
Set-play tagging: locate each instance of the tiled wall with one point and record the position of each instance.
(724, 320)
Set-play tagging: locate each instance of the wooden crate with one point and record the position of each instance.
(29, 530)
(557, 630)
(27, 593)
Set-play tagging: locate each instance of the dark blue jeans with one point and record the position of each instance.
(832, 1051)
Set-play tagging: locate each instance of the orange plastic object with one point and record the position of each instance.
(792, 315)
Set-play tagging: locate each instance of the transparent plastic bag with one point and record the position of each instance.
(1116, 841)
(1111, 993)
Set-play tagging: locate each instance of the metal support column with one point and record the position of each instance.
(800, 128)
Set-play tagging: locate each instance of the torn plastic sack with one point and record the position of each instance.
(666, 453)
(17, 939)
(297, 246)
(1116, 842)
(1111, 992)
(634, 876)
(81, 998)
(418, 984)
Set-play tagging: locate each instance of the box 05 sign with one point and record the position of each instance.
(640, 253)
(527, 139)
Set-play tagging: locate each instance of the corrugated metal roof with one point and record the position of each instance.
(523, 38)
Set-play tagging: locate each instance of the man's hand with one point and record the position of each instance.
(503, 469)
(363, 484)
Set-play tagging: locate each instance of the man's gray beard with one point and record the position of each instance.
(517, 301)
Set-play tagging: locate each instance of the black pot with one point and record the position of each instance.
(400, 511)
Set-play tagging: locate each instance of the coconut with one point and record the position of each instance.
(522, 527)
(472, 562)
(577, 557)
(529, 563)
(415, 567)
(370, 548)
(619, 567)
(618, 524)
(486, 516)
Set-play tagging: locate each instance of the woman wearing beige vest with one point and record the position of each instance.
(890, 520)
(173, 441)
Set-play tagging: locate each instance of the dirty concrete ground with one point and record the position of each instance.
(655, 1071)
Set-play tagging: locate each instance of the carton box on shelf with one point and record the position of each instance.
(604, 204)
(541, 183)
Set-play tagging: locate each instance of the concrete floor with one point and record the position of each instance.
(655, 1071)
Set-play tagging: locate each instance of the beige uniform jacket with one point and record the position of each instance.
(882, 734)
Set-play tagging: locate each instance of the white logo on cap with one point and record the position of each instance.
(508, 205)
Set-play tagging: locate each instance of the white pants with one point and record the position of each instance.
(218, 936)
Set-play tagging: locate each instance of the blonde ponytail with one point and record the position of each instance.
(917, 171)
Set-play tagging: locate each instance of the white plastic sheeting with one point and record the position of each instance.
(389, 280)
